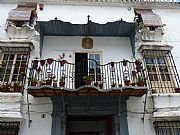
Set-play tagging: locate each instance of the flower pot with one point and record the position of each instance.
(18, 89)
(33, 83)
(138, 68)
(112, 64)
(133, 73)
(125, 62)
(113, 85)
(34, 66)
(87, 82)
(137, 63)
(133, 84)
(48, 82)
(61, 84)
(177, 90)
(50, 61)
(62, 62)
(42, 62)
(140, 83)
(127, 82)
(54, 84)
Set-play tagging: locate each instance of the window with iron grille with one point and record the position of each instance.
(13, 64)
(167, 128)
(161, 70)
(9, 128)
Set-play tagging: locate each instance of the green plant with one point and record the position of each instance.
(86, 77)
(100, 85)
(62, 78)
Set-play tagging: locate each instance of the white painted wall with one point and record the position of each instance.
(172, 29)
(55, 46)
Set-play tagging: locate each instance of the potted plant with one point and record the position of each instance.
(87, 79)
(112, 63)
(101, 85)
(18, 86)
(62, 60)
(140, 81)
(50, 78)
(50, 60)
(113, 84)
(54, 83)
(133, 73)
(62, 81)
(124, 62)
(96, 84)
(177, 90)
(33, 81)
(42, 62)
(126, 80)
(137, 62)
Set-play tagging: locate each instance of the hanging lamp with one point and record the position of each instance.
(87, 42)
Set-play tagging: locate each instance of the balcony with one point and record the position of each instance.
(50, 77)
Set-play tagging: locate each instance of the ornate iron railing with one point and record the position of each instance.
(72, 76)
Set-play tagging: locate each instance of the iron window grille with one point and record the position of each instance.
(13, 64)
(161, 71)
(9, 128)
(167, 128)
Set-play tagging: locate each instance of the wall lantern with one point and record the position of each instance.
(87, 42)
(41, 6)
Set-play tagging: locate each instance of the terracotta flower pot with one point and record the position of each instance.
(62, 62)
(138, 68)
(18, 89)
(125, 62)
(127, 82)
(140, 83)
(112, 64)
(33, 83)
(48, 82)
(133, 73)
(50, 61)
(87, 82)
(61, 84)
(42, 62)
(177, 90)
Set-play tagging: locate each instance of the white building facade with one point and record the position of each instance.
(127, 49)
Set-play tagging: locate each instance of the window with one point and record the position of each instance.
(94, 68)
(167, 128)
(9, 128)
(161, 71)
(157, 67)
(14, 64)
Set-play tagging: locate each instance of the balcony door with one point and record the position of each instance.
(81, 68)
(87, 64)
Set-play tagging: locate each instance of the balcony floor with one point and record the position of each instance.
(48, 91)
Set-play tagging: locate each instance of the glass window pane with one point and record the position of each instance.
(91, 56)
(160, 61)
(97, 57)
(149, 60)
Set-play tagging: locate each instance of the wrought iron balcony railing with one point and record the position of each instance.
(47, 76)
